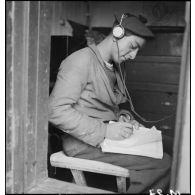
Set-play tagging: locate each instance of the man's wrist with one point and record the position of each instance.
(126, 113)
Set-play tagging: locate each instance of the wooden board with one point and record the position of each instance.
(17, 95)
(53, 186)
(9, 106)
(43, 89)
(31, 111)
(166, 73)
(153, 87)
(157, 102)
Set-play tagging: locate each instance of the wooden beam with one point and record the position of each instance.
(159, 59)
(153, 87)
(53, 186)
(43, 63)
(180, 120)
(16, 95)
(31, 20)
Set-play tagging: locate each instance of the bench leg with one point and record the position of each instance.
(79, 177)
(121, 184)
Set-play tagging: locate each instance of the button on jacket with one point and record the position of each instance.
(83, 98)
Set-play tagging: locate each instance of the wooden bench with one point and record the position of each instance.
(77, 166)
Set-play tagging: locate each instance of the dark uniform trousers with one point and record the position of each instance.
(145, 173)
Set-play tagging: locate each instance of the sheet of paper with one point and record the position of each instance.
(144, 142)
(139, 137)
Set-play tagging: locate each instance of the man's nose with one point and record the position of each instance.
(133, 53)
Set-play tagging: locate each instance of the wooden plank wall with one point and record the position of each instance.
(158, 13)
(27, 73)
(153, 79)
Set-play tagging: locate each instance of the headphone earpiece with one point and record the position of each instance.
(118, 31)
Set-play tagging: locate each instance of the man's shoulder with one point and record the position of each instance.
(84, 52)
(80, 58)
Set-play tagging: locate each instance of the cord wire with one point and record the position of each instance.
(128, 97)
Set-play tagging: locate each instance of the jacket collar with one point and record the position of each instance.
(119, 81)
(97, 53)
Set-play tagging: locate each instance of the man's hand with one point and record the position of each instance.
(126, 118)
(135, 124)
(119, 130)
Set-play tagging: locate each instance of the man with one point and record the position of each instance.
(86, 95)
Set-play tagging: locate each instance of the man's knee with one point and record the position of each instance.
(163, 164)
(166, 161)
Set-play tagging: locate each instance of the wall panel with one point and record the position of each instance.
(27, 74)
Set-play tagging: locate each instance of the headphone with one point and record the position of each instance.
(118, 30)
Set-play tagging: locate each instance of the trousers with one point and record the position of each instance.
(145, 173)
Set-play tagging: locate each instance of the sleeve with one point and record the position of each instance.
(126, 112)
(71, 81)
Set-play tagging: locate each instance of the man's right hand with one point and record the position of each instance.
(119, 130)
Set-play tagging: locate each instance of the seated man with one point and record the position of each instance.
(87, 94)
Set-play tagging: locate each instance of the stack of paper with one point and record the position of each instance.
(143, 142)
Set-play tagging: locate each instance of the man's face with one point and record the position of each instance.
(128, 48)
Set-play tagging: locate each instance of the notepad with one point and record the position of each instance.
(143, 142)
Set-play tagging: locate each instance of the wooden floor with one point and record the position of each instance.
(53, 186)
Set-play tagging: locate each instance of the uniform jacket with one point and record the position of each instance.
(83, 98)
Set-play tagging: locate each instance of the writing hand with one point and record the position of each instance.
(119, 130)
(126, 118)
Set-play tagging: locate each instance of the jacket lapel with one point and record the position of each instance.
(103, 74)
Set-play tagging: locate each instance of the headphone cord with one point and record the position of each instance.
(129, 97)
